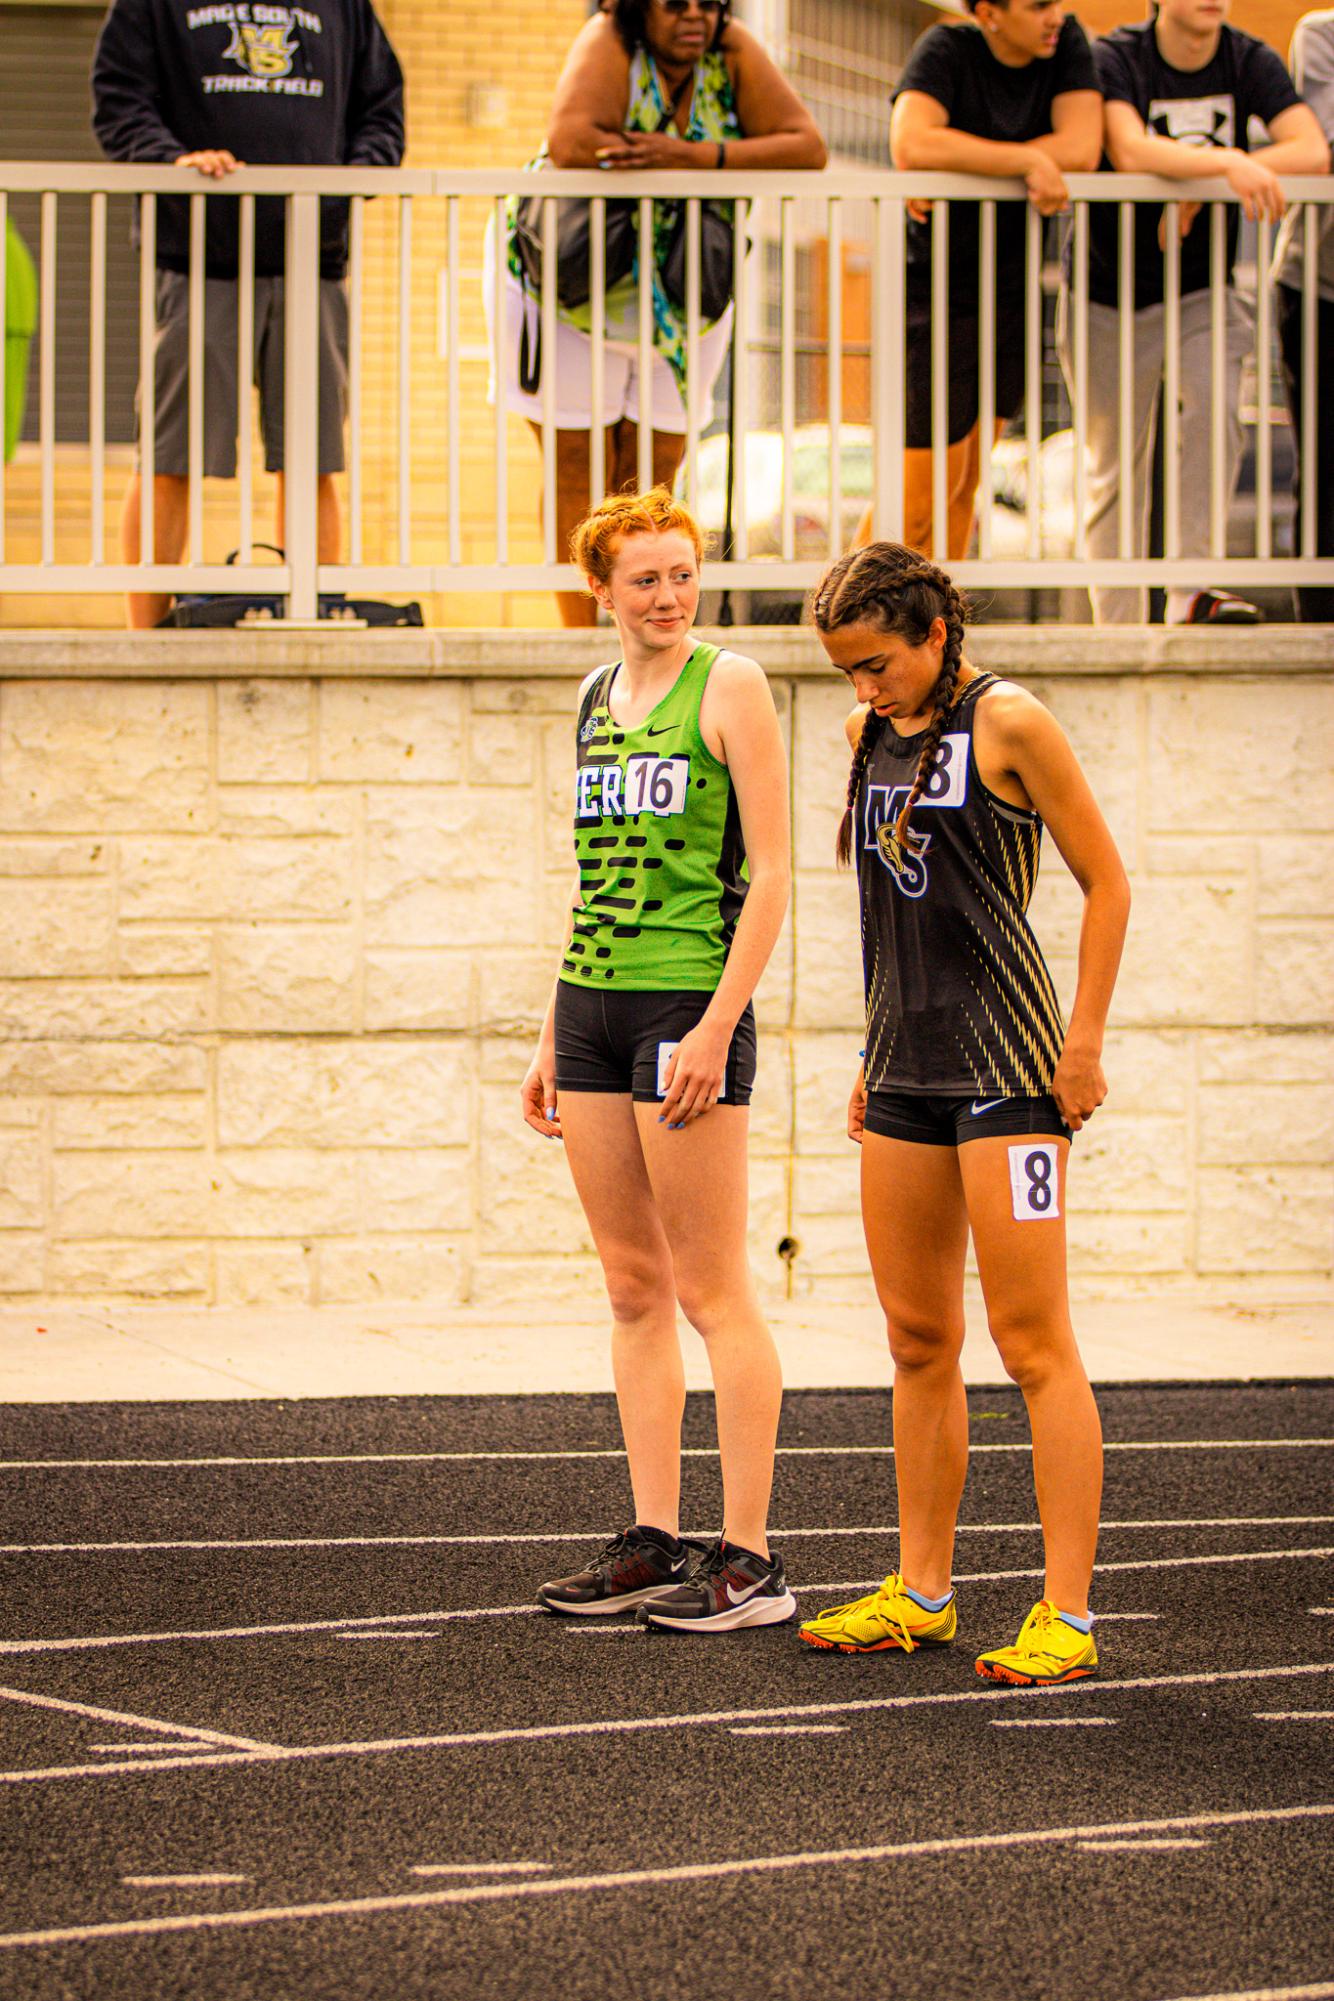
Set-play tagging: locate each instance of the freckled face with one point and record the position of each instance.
(895, 678)
(653, 590)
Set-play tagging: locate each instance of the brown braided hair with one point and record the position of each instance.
(897, 591)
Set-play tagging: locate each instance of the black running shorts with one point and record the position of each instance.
(931, 1121)
(610, 1041)
(962, 350)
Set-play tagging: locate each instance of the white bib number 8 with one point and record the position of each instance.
(656, 785)
(1034, 1188)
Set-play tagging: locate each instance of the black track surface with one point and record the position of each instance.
(1245, 1906)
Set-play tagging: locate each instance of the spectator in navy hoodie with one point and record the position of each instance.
(215, 87)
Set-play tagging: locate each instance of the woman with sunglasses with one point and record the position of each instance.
(673, 85)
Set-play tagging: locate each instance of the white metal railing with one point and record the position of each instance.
(466, 544)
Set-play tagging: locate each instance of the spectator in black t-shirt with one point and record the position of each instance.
(1011, 94)
(1311, 60)
(1181, 90)
(211, 87)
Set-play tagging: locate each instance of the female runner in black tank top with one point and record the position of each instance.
(971, 1086)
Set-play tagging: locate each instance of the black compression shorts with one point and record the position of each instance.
(926, 1120)
(614, 1041)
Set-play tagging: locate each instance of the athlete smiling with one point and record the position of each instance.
(970, 1087)
(647, 1056)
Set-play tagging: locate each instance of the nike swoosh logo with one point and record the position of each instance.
(990, 1106)
(671, 727)
(740, 1597)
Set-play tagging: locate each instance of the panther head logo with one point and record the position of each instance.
(261, 51)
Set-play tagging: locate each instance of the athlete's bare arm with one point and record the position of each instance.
(1024, 756)
(537, 1093)
(852, 729)
(739, 724)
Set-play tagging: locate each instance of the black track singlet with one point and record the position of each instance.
(958, 997)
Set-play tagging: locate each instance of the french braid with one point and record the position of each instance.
(897, 591)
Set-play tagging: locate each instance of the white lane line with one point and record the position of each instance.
(479, 1868)
(157, 1747)
(1293, 1715)
(632, 1725)
(1051, 1722)
(690, 1872)
(25, 1695)
(788, 1730)
(1167, 1841)
(377, 1633)
(617, 1452)
(529, 1610)
(1321, 1611)
(204, 1877)
(1321, 1991)
(603, 1631)
(591, 1535)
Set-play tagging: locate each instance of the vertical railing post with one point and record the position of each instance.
(97, 371)
(888, 370)
(301, 403)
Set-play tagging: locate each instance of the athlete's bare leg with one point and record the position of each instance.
(1022, 1268)
(699, 1184)
(607, 1162)
(917, 1233)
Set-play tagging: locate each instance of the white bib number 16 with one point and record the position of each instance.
(1033, 1185)
(656, 785)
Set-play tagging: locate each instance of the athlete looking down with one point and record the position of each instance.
(970, 1086)
(647, 1056)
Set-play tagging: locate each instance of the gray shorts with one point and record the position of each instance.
(171, 374)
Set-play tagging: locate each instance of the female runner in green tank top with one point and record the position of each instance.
(647, 1055)
(970, 1086)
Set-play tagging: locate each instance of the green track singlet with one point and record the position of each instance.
(658, 840)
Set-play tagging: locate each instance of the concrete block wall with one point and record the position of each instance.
(279, 917)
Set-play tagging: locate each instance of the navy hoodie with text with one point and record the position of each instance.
(316, 85)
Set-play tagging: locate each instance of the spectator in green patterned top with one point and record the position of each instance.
(664, 84)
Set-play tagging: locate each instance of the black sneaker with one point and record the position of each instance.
(729, 1587)
(631, 1568)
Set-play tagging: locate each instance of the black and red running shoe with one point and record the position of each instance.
(632, 1568)
(729, 1587)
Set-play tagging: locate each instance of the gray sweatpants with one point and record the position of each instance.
(1122, 604)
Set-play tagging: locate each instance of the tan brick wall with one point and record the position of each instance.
(273, 951)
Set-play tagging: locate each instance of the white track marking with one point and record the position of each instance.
(788, 1730)
(377, 1633)
(157, 1747)
(1321, 1991)
(617, 1452)
(529, 1610)
(179, 1730)
(479, 1868)
(1050, 1722)
(1167, 1841)
(203, 1878)
(591, 1535)
(632, 1725)
(605, 1632)
(1321, 1611)
(1294, 1715)
(690, 1872)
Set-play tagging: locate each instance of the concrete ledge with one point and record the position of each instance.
(788, 651)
